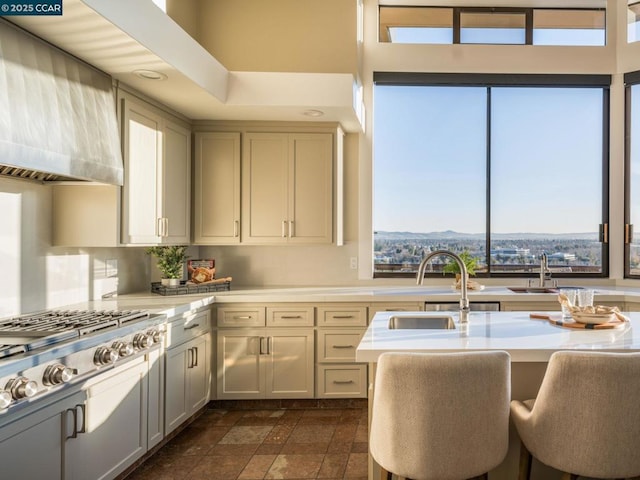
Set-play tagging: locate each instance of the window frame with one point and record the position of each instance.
(630, 79)
(515, 80)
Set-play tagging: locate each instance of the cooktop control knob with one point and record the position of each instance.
(5, 399)
(124, 349)
(155, 334)
(105, 356)
(57, 374)
(21, 387)
(142, 341)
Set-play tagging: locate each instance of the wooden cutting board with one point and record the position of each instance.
(573, 324)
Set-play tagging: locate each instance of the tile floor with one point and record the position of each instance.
(265, 444)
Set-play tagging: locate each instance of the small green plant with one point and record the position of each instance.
(469, 261)
(171, 259)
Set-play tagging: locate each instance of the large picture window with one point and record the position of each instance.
(507, 171)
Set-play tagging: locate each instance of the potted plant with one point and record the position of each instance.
(171, 260)
(469, 261)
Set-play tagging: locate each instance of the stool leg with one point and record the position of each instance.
(524, 470)
(384, 475)
(569, 476)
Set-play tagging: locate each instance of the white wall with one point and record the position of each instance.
(35, 275)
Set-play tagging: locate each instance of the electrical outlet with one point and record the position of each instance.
(354, 263)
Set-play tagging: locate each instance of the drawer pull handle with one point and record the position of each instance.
(290, 317)
(343, 382)
(190, 327)
(343, 316)
(242, 317)
(343, 346)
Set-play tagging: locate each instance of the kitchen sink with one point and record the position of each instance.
(533, 289)
(420, 321)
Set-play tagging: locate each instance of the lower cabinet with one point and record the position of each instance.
(187, 368)
(265, 363)
(111, 425)
(41, 433)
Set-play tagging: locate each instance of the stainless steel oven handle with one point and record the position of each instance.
(74, 412)
(192, 326)
(83, 407)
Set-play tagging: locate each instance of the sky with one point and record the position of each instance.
(430, 159)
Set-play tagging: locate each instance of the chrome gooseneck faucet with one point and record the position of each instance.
(545, 271)
(464, 299)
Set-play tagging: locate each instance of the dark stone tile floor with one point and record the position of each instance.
(280, 443)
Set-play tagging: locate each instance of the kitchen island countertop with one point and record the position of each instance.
(526, 339)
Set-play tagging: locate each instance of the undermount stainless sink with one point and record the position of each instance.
(419, 321)
(533, 289)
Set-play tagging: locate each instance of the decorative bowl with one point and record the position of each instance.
(593, 318)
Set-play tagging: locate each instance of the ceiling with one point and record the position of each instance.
(110, 35)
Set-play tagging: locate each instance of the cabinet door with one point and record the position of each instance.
(32, 447)
(176, 402)
(175, 194)
(310, 204)
(114, 432)
(289, 363)
(264, 188)
(198, 372)
(155, 414)
(142, 149)
(240, 370)
(217, 188)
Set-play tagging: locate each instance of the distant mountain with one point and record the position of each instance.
(450, 234)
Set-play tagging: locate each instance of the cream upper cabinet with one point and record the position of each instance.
(217, 188)
(287, 188)
(157, 161)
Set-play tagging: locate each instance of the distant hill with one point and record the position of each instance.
(450, 234)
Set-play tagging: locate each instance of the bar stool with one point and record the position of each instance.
(585, 420)
(440, 416)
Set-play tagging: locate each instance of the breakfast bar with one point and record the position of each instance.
(529, 341)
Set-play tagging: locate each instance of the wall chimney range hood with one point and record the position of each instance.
(57, 115)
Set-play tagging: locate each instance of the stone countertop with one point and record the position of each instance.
(526, 339)
(179, 304)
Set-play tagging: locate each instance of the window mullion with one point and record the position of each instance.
(488, 184)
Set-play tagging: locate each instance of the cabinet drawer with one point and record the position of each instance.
(394, 307)
(241, 317)
(338, 346)
(186, 327)
(348, 381)
(342, 316)
(290, 316)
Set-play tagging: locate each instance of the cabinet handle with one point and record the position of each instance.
(342, 317)
(262, 350)
(189, 358)
(75, 423)
(290, 317)
(343, 346)
(84, 418)
(166, 227)
(192, 326)
(195, 356)
(159, 227)
(343, 382)
(284, 229)
(291, 228)
(242, 317)
(269, 342)
(236, 228)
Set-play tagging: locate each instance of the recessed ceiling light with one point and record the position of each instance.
(150, 74)
(313, 113)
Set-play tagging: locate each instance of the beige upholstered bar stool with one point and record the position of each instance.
(586, 418)
(440, 416)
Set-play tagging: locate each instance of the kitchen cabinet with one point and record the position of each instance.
(340, 328)
(216, 183)
(287, 188)
(111, 428)
(265, 351)
(157, 162)
(187, 367)
(40, 434)
(265, 363)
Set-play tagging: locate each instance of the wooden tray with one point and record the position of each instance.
(617, 323)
